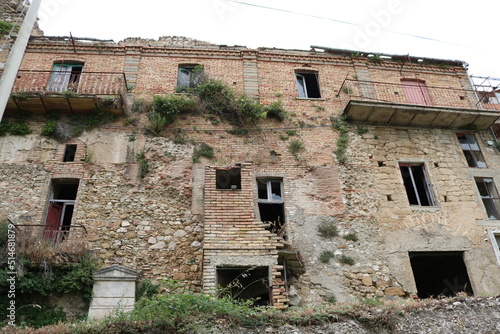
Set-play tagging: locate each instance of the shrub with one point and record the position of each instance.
(180, 138)
(145, 288)
(347, 260)
(325, 256)
(49, 129)
(351, 236)
(4, 128)
(204, 150)
(5, 27)
(143, 164)
(328, 229)
(19, 129)
(158, 123)
(275, 110)
(361, 130)
(141, 105)
(296, 146)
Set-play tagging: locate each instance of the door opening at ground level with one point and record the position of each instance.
(440, 274)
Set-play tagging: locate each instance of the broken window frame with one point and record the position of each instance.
(189, 76)
(495, 242)
(489, 195)
(471, 150)
(301, 79)
(60, 211)
(269, 190)
(417, 188)
(276, 227)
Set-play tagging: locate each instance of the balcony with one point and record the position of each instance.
(412, 103)
(42, 241)
(67, 92)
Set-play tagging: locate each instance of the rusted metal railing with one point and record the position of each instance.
(56, 82)
(415, 93)
(61, 237)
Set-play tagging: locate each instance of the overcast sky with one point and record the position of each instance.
(443, 29)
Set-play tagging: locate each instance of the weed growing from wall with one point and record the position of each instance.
(351, 237)
(64, 130)
(5, 27)
(328, 229)
(347, 260)
(143, 164)
(325, 256)
(295, 147)
(15, 129)
(203, 150)
(216, 100)
(338, 123)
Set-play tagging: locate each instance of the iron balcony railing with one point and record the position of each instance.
(61, 237)
(56, 82)
(415, 93)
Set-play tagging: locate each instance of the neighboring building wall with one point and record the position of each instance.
(12, 12)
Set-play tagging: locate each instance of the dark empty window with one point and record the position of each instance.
(245, 283)
(308, 85)
(69, 153)
(61, 206)
(272, 205)
(228, 178)
(439, 274)
(489, 195)
(416, 184)
(471, 150)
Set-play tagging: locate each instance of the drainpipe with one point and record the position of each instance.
(16, 55)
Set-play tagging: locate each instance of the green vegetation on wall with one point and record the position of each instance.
(43, 270)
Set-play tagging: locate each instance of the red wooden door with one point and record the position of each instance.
(53, 221)
(416, 91)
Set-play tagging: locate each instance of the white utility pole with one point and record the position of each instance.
(16, 55)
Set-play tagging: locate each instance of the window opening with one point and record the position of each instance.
(65, 76)
(61, 207)
(489, 195)
(189, 76)
(417, 185)
(271, 205)
(440, 274)
(495, 240)
(416, 91)
(471, 150)
(228, 178)
(69, 153)
(308, 85)
(244, 283)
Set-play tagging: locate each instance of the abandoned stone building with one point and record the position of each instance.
(381, 181)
